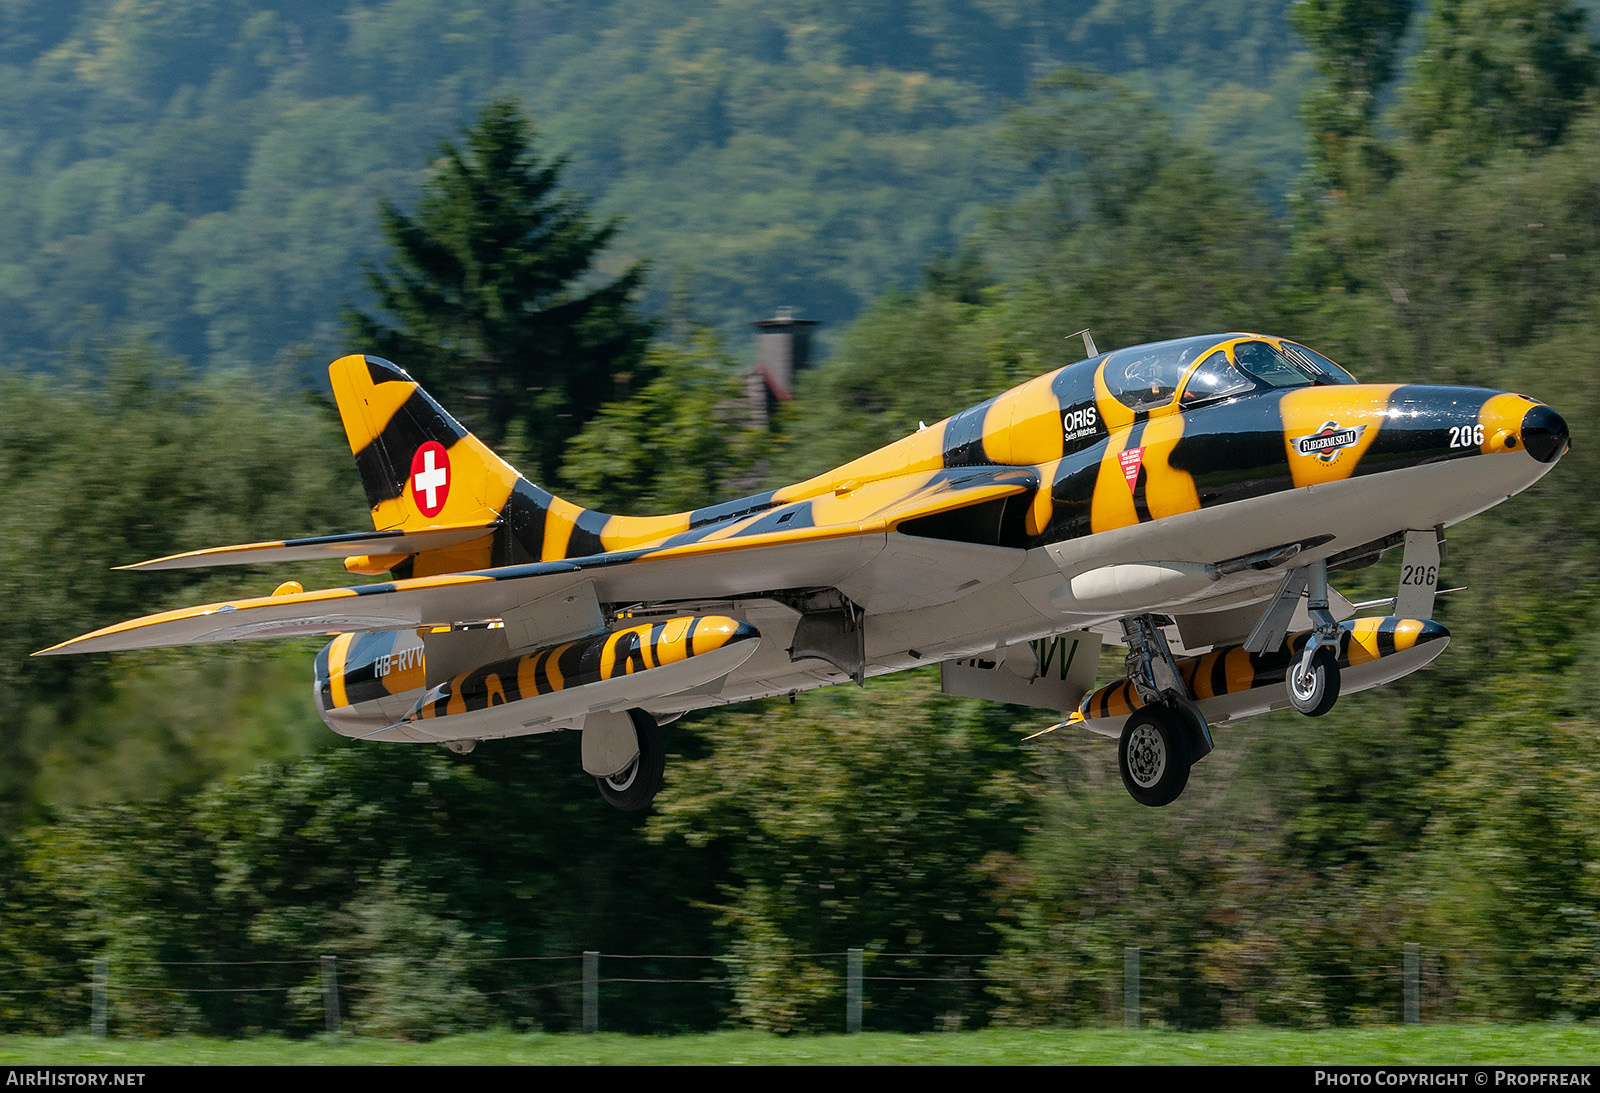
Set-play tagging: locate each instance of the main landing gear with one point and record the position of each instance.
(1154, 755)
(1167, 735)
(634, 786)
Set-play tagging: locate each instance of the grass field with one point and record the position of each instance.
(1449, 1045)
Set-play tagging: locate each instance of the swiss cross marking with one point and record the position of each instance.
(1131, 461)
(430, 478)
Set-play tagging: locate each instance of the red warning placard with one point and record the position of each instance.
(1131, 461)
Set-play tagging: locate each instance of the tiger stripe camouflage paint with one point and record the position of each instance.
(359, 668)
(629, 651)
(1077, 460)
(1218, 453)
(1174, 478)
(362, 670)
(1106, 465)
(1231, 670)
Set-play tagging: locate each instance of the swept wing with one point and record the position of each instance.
(739, 560)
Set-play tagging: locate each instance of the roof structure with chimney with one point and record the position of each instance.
(783, 348)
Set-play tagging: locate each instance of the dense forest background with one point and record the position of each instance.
(196, 196)
(209, 170)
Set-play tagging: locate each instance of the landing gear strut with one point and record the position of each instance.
(1167, 734)
(1313, 680)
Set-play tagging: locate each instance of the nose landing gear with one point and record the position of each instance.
(1313, 690)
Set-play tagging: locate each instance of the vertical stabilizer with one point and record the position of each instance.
(418, 465)
(422, 469)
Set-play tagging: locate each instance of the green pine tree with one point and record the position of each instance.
(1497, 73)
(1355, 45)
(495, 300)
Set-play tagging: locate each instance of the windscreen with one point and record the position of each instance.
(1214, 378)
(1272, 366)
(1332, 372)
(1147, 376)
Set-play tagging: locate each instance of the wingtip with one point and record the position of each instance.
(75, 644)
(164, 562)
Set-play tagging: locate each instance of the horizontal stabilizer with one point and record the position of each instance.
(322, 548)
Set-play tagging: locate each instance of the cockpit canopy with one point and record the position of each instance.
(1215, 366)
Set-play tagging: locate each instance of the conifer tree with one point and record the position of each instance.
(493, 296)
(1497, 73)
(1355, 46)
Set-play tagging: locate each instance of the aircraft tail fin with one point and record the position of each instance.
(426, 475)
(441, 501)
(419, 466)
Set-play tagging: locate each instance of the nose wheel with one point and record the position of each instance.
(1314, 688)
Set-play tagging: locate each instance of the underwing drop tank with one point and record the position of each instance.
(378, 685)
(1229, 683)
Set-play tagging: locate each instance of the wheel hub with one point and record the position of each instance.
(1147, 755)
(1304, 682)
(624, 777)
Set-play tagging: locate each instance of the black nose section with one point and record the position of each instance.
(1544, 434)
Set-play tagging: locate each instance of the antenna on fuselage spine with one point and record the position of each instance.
(1088, 342)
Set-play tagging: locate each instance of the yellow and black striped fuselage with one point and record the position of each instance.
(1195, 451)
(1101, 464)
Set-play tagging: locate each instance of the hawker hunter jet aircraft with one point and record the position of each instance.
(1186, 499)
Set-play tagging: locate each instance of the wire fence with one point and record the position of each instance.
(844, 990)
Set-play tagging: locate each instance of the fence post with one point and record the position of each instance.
(852, 1003)
(1130, 986)
(98, 1000)
(1413, 983)
(591, 991)
(330, 993)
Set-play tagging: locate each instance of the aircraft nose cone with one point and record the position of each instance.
(1544, 434)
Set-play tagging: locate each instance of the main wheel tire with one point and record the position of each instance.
(1153, 755)
(634, 786)
(1313, 693)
